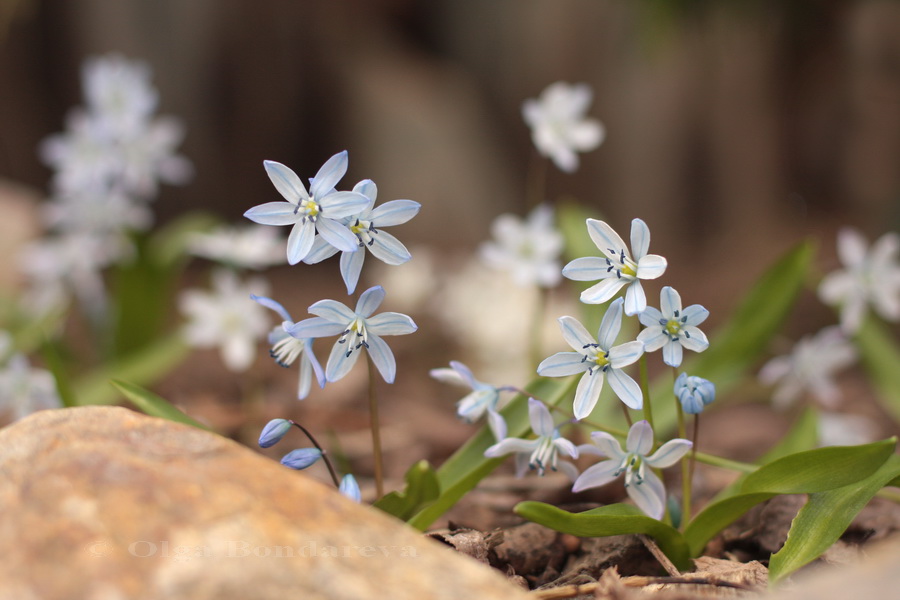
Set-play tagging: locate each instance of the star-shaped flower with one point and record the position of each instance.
(286, 349)
(810, 367)
(483, 398)
(540, 453)
(528, 249)
(559, 128)
(672, 328)
(319, 210)
(871, 276)
(617, 269)
(596, 359)
(357, 330)
(643, 485)
(367, 225)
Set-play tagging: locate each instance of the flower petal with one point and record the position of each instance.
(603, 291)
(587, 394)
(330, 174)
(606, 445)
(640, 438)
(383, 358)
(640, 238)
(388, 249)
(635, 299)
(390, 323)
(332, 310)
(273, 305)
(610, 325)
(606, 238)
(650, 317)
(320, 250)
(286, 182)
(672, 354)
(338, 205)
(653, 338)
(340, 362)
(597, 475)
(669, 453)
(367, 188)
(315, 327)
(395, 212)
(693, 339)
(539, 417)
(273, 213)
(562, 364)
(369, 301)
(337, 235)
(626, 388)
(575, 333)
(651, 266)
(625, 354)
(300, 241)
(669, 302)
(510, 445)
(587, 269)
(649, 495)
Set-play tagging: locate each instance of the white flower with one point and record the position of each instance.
(843, 429)
(357, 329)
(540, 453)
(810, 367)
(24, 390)
(367, 225)
(484, 397)
(119, 91)
(643, 485)
(109, 213)
(559, 128)
(672, 328)
(871, 276)
(528, 249)
(319, 210)
(596, 358)
(246, 247)
(617, 269)
(226, 317)
(286, 349)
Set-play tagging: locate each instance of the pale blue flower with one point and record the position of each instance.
(596, 359)
(319, 210)
(643, 485)
(367, 225)
(483, 398)
(540, 453)
(285, 349)
(357, 330)
(301, 458)
(617, 269)
(528, 249)
(694, 393)
(350, 488)
(273, 432)
(672, 328)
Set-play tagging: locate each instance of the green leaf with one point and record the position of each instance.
(142, 367)
(154, 405)
(422, 488)
(880, 356)
(801, 473)
(825, 517)
(614, 519)
(467, 466)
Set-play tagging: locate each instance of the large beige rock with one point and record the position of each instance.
(103, 503)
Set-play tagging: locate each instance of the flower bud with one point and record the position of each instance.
(350, 488)
(694, 393)
(273, 432)
(301, 458)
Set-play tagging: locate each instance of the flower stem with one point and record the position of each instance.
(645, 390)
(685, 461)
(334, 477)
(376, 431)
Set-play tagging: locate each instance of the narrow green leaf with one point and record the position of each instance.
(467, 466)
(422, 488)
(154, 405)
(825, 517)
(820, 469)
(880, 356)
(614, 519)
(801, 473)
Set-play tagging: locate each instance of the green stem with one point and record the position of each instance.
(376, 431)
(645, 390)
(685, 461)
(334, 477)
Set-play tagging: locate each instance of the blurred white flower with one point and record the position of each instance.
(24, 390)
(558, 124)
(227, 317)
(108, 214)
(119, 91)
(249, 247)
(529, 249)
(871, 276)
(809, 368)
(842, 429)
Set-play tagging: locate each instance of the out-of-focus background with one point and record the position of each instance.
(743, 124)
(734, 129)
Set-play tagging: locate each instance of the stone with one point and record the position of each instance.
(103, 503)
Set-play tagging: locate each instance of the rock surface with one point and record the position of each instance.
(103, 503)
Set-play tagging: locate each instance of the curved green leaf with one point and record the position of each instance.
(825, 517)
(422, 488)
(801, 473)
(880, 356)
(153, 405)
(615, 519)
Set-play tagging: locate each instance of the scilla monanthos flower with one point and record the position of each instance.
(540, 453)
(358, 330)
(596, 359)
(559, 128)
(673, 328)
(367, 225)
(285, 349)
(319, 210)
(484, 397)
(694, 393)
(349, 488)
(301, 458)
(617, 269)
(871, 276)
(643, 485)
